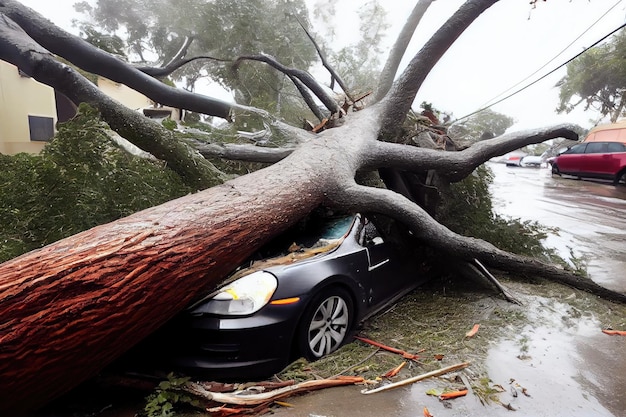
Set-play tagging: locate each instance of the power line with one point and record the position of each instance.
(542, 77)
(555, 56)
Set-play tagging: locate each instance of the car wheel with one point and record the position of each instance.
(326, 323)
(555, 170)
(620, 178)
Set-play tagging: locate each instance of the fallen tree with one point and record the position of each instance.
(70, 308)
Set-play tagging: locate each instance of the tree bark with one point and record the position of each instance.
(69, 309)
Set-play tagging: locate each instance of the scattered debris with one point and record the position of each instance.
(452, 394)
(417, 378)
(404, 354)
(472, 332)
(261, 399)
(395, 370)
(614, 332)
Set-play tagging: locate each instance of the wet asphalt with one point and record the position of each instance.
(557, 366)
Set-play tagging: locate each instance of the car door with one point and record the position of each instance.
(570, 161)
(616, 157)
(595, 162)
(387, 273)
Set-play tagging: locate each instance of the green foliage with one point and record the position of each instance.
(467, 209)
(597, 79)
(80, 180)
(224, 29)
(110, 43)
(484, 125)
(169, 124)
(169, 393)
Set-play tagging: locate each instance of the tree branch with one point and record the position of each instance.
(301, 75)
(19, 49)
(399, 100)
(457, 165)
(356, 197)
(399, 48)
(97, 61)
(331, 70)
(248, 153)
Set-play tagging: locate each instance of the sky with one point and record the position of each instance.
(502, 49)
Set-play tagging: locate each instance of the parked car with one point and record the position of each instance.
(337, 272)
(602, 160)
(534, 161)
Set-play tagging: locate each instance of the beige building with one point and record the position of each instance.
(27, 112)
(30, 110)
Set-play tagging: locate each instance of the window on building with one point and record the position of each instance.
(41, 128)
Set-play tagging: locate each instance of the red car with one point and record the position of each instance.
(603, 160)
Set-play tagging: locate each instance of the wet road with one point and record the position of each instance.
(590, 216)
(563, 360)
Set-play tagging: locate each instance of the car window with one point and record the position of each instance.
(616, 147)
(580, 148)
(369, 235)
(596, 147)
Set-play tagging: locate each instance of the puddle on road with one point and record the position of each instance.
(566, 364)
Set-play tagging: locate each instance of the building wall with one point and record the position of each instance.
(21, 97)
(28, 110)
(125, 95)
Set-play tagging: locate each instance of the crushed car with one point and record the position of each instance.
(300, 296)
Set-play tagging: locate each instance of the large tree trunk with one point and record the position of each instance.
(72, 307)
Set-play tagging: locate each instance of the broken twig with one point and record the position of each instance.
(417, 378)
(404, 354)
(270, 396)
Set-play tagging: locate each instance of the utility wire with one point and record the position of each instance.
(542, 77)
(555, 56)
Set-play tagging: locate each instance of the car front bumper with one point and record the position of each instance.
(236, 348)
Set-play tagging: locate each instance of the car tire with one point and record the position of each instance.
(555, 170)
(620, 178)
(326, 323)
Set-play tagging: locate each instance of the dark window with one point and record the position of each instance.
(576, 149)
(616, 147)
(41, 128)
(596, 147)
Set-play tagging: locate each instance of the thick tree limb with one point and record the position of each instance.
(400, 98)
(457, 165)
(72, 307)
(428, 230)
(301, 75)
(399, 48)
(248, 153)
(94, 60)
(19, 49)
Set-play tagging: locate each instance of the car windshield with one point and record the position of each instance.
(314, 231)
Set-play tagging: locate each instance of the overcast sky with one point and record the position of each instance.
(507, 44)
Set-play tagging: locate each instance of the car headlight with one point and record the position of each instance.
(243, 296)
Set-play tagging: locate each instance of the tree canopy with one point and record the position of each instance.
(597, 79)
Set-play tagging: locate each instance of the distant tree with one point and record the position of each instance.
(484, 125)
(597, 79)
